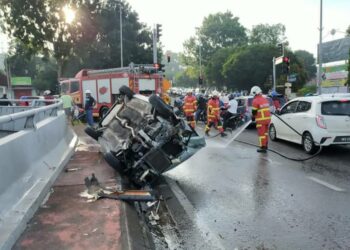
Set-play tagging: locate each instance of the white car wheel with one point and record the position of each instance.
(308, 143)
(272, 133)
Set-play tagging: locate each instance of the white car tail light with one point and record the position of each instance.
(320, 122)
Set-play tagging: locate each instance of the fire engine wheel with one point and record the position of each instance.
(113, 162)
(125, 90)
(160, 106)
(93, 132)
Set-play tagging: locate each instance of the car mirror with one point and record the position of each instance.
(277, 112)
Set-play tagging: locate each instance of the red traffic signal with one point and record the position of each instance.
(286, 59)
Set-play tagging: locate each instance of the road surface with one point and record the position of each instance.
(240, 199)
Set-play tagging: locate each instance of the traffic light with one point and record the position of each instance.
(280, 49)
(285, 65)
(200, 80)
(159, 31)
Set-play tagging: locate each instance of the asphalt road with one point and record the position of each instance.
(240, 199)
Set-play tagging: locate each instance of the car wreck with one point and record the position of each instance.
(141, 137)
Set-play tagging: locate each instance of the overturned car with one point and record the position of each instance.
(141, 137)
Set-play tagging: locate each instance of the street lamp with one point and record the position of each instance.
(200, 53)
(319, 73)
(121, 35)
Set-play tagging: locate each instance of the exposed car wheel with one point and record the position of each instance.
(103, 112)
(160, 106)
(272, 133)
(308, 143)
(113, 162)
(93, 132)
(125, 90)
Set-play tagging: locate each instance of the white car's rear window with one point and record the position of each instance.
(340, 107)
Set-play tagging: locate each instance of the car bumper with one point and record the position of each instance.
(325, 138)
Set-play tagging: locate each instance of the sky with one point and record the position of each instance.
(179, 18)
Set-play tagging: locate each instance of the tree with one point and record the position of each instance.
(218, 31)
(348, 31)
(213, 70)
(308, 61)
(90, 41)
(251, 65)
(267, 34)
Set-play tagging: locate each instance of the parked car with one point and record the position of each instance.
(245, 106)
(317, 120)
(142, 137)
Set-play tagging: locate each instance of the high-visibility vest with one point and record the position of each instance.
(262, 107)
(190, 105)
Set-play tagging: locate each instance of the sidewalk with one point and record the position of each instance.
(66, 220)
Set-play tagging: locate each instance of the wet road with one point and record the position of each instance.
(244, 200)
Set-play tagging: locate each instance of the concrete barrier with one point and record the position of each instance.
(30, 161)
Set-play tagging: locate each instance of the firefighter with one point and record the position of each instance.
(213, 114)
(190, 107)
(261, 114)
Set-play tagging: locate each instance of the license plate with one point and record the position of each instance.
(344, 139)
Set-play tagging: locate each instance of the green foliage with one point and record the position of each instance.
(220, 30)
(308, 62)
(348, 31)
(307, 90)
(92, 40)
(249, 66)
(267, 34)
(213, 70)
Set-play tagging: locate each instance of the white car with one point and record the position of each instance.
(313, 121)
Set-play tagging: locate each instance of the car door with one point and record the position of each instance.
(285, 116)
(300, 120)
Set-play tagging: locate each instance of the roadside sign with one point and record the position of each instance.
(278, 60)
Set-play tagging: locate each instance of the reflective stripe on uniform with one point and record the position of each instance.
(263, 119)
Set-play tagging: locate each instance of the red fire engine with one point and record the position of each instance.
(104, 84)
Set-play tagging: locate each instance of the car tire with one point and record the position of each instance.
(272, 133)
(113, 162)
(93, 133)
(103, 112)
(125, 90)
(308, 143)
(160, 106)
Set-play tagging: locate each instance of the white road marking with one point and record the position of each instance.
(326, 184)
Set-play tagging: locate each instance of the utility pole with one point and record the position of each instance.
(154, 45)
(319, 73)
(121, 35)
(274, 74)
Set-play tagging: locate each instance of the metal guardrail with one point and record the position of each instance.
(23, 119)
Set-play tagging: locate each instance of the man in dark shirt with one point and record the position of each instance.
(4, 101)
(89, 105)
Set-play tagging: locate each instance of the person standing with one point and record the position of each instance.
(89, 105)
(213, 114)
(261, 114)
(67, 105)
(49, 97)
(190, 107)
(4, 101)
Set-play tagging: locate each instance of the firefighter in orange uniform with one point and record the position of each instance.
(190, 106)
(213, 114)
(262, 115)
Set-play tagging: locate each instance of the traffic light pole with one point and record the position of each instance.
(274, 73)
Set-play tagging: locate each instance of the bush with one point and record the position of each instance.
(307, 90)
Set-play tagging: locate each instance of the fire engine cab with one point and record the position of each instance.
(104, 84)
